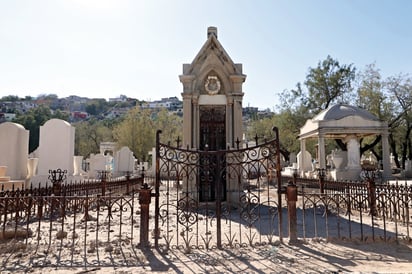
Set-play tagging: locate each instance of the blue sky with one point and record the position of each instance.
(104, 48)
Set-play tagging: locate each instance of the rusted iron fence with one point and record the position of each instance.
(359, 211)
(76, 226)
(124, 184)
(71, 231)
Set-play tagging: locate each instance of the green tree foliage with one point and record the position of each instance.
(34, 118)
(170, 124)
(10, 98)
(372, 96)
(390, 100)
(371, 93)
(138, 130)
(328, 83)
(97, 106)
(400, 92)
(288, 122)
(89, 135)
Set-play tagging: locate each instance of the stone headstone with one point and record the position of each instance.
(123, 161)
(56, 146)
(14, 150)
(292, 158)
(304, 161)
(77, 165)
(99, 162)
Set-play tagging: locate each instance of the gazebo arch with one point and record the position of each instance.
(347, 123)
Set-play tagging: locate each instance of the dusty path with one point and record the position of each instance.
(313, 257)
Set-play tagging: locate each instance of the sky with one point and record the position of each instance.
(108, 48)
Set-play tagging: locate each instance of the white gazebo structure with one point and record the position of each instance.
(349, 124)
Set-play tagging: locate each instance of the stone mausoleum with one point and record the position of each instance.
(212, 106)
(212, 97)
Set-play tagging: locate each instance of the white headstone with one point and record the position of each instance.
(97, 163)
(14, 149)
(293, 158)
(123, 161)
(77, 165)
(304, 161)
(56, 148)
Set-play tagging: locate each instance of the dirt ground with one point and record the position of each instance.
(311, 257)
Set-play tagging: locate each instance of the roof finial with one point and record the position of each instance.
(211, 31)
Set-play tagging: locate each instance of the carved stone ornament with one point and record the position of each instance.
(212, 85)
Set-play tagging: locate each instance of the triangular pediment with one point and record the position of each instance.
(213, 62)
(213, 54)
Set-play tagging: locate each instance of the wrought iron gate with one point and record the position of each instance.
(246, 209)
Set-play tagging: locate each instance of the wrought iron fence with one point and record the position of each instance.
(70, 231)
(124, 184)
(356, 215)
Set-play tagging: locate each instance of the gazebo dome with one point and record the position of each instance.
(339, 111)
(341, 120)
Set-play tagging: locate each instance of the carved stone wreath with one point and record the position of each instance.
(212, 85)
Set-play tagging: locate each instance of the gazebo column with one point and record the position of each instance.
(386, 157)
(321, 151)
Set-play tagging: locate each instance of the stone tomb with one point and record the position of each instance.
(212, 106)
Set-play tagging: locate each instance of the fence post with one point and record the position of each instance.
(322, 175)
(372, 196)
(104, 184)
(292, 197)
(127, 182)
(145, 194)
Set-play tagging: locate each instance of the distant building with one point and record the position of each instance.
(79, 115)
(16, 106)
(6, 117)
(117, 112)
(171, 103)
(122, 98)
(250, 111)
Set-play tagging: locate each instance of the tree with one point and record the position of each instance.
(97, 106)
(138, 130)
(10, 98)
(370, 92)
(288, 121)
(170, 124)
(328, 83)
(89, 135)
(33, 119)
(400, 90)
